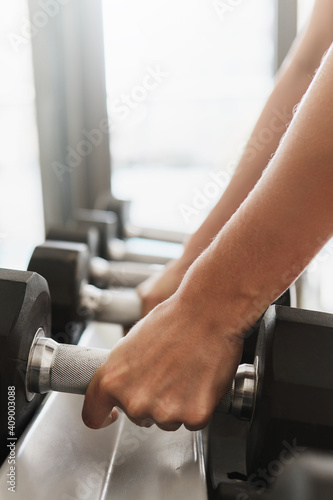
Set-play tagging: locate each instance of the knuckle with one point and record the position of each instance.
(197, 420)
(136, 409)
(164, 415)
(103, 385)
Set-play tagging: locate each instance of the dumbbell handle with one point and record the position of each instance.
(121, 306)
(118, 273)
(70, 368)
(62, 367)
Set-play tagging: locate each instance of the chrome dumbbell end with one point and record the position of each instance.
(70, 368)
(239, 399)
(61, 367)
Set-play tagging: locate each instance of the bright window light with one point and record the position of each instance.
(185, 81)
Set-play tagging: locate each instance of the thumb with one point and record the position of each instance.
(99, 406)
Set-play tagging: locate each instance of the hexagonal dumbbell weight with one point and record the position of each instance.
(65, 266)
(25, 312)
(286, 395)
(104, 273)
(133, 249)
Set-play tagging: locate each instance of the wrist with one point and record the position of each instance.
(218, 294)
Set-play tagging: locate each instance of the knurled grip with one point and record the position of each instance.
(225, 404)
(73, 368)
(70, 368)
(61, 367)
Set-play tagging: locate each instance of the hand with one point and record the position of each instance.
(161, 286)
(172, 368)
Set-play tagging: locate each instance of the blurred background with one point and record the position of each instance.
(148, 99)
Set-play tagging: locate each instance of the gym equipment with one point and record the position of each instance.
(65, 266)
(271, 393)
(126, 229)
(64, 368)
(288, 298)
(24, 311)
(58, 458)
(285, 396)
(132, 249)
(104, 273)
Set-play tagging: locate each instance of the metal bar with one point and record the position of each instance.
(59, 458)
(285, 28)
(72, 121)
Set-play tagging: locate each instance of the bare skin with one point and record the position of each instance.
(177, 362)
(292, 81)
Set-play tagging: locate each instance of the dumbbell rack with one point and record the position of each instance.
(57, 457)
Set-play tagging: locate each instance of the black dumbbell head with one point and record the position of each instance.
(65, 266)
(89, 236)
(288, 298)
(122, 210)
(105, 222)
(294, 401)
(25, 309)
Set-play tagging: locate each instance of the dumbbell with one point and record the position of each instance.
(104, 273)
(126, 228)
(65, 266)
(33, 363)
(286, 395)
(24, 311)
(289, 299)
(131, 249)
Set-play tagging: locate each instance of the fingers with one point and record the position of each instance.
(156, 381)
(99, 406)
(149, 422)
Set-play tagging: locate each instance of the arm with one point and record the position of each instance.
(152, 374)
(292, 82)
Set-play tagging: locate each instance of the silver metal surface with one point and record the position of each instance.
(31, 394)
(244, 392)
(122, 306)
(224, 406)
(58, 458)
(285, 28)
(62, 367)
(130, 274)
(144, 250)
(239, 400)
(154, 233)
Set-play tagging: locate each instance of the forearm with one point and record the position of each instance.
(281, 225)
(292, 82)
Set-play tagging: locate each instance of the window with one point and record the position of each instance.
(304, 8)
(21, 219)
(186, 82)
